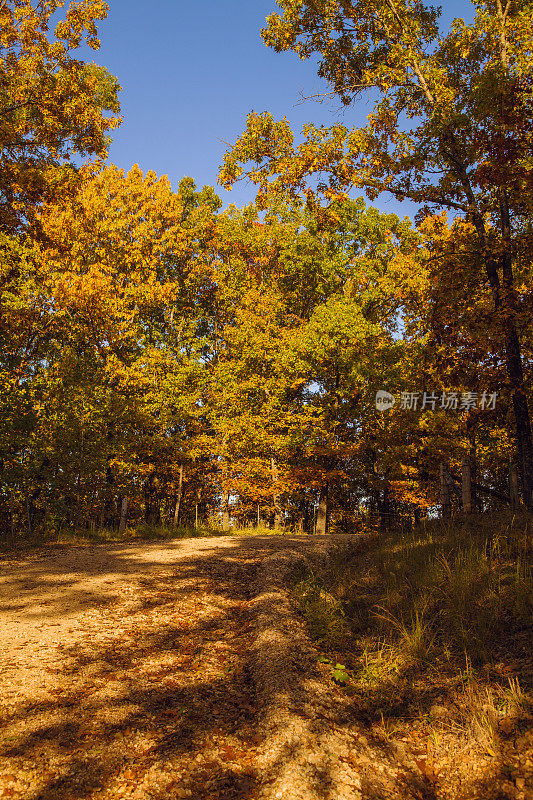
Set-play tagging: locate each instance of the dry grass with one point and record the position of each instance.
(133, 533)
(435, 631)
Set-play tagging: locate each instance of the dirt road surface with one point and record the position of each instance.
(173, 670)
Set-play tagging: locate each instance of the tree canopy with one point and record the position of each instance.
(166, 361)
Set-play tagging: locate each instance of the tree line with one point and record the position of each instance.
(166, 361)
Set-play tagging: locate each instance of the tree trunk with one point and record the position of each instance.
(123, 515)
(505, 310)
(524, 446)
(152, 512)
(277, 504)
(12, 514)
(105, 518)
(467, 486)
(384, 507)
(513, 484)
(446, 498)
(225, 511)
(322, 512)
(513, 354)
(178, 498)
(28, 513)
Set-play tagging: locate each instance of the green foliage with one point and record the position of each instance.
(338, 671)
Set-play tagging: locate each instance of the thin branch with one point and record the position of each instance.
(414, 62)
(10, 109)
(413, 195)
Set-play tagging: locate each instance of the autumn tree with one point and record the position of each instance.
(303, 300)
(451, 128)
(463, 350)
(117, 285)
(53, 106)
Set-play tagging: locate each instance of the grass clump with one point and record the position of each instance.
(323, 611)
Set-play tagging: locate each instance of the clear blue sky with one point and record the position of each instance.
(191, 72)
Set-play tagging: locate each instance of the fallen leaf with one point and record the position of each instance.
(427, 768)
(228, 753)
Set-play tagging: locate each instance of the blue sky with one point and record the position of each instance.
(191, 72)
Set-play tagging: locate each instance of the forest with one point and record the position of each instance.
(166, 363)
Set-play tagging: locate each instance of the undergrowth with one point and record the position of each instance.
(81, 536)
(439, 618)
(139, 532)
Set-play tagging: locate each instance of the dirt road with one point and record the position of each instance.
(167, 671)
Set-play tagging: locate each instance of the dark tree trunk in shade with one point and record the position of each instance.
(322, 512)
(177, 507)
